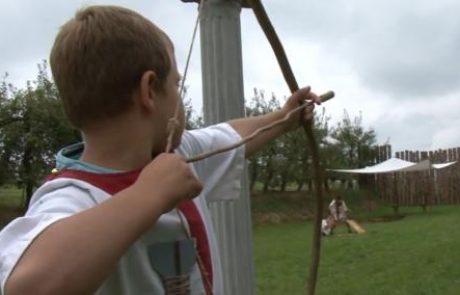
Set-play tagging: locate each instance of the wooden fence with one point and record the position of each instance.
(421, 188)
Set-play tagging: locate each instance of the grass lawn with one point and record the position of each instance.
(419, 255)
(416, 255)
(10, 203)
(10, 196)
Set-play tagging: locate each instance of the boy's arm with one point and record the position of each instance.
(246, 126)
(74, 255)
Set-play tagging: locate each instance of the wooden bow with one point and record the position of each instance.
(280, 54)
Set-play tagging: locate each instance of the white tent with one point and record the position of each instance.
(443, 165)
(395, 165)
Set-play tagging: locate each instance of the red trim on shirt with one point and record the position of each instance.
(111, 183)
(114, 182)
(198, 231)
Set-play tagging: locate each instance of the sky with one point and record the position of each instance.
(395, 62)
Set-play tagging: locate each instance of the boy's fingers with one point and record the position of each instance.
(305, 94)
(300, 95)
(315, 98)
(306, 89)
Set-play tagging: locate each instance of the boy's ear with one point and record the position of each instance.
(147, 93)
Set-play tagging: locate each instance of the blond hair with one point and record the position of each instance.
(99, 57)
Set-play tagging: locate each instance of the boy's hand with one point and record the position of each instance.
(297, 98)
(175, 181)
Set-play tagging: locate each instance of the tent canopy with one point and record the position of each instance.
(395, 165)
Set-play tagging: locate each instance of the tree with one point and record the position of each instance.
(265, 164)
(192, 119)
(300, 161)
(33, 127)
(355, 144)
(4, 120)
(287, 159)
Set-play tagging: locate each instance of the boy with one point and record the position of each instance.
(112, 220)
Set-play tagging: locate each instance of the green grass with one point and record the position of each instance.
(11, 200)
(290, 204)
(10, 197)
(419, 255)
(416, 255)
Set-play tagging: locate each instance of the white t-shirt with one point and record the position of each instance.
(340, 213)
(63, 197)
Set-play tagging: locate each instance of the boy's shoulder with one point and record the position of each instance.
(70, 194)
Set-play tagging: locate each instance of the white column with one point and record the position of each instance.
(223, 99)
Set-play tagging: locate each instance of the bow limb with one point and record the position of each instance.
(281, 57)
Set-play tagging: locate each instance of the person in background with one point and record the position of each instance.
(338, 210)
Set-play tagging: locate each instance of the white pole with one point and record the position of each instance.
(223, 99)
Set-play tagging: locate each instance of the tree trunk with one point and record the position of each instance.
(300, 184)
(28, 181)
(326, 185)
(310, 184)
(268, 179)
(5, 174)
(270, 174)
(284, 182)
(28, 178)
(253, 180)
(349, 183)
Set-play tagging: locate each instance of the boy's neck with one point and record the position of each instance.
(115, 157)
(122, 147)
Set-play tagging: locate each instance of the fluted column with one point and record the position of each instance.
(223, 99)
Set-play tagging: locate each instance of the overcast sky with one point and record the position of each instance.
(395, 61)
